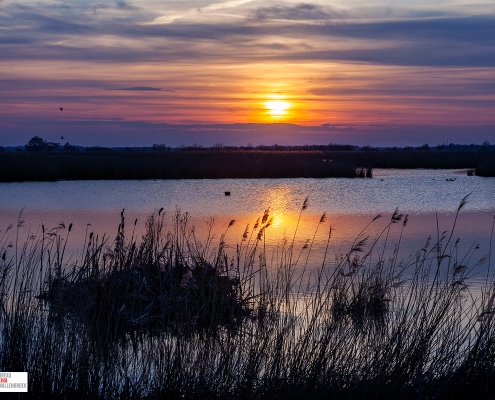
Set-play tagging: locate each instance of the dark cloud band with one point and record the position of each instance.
(145, 89)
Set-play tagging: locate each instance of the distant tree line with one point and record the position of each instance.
(485, 146)
(37, 144)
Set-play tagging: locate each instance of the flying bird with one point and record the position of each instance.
(61, 109)
(62, 137)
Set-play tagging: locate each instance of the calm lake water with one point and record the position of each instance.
(426, 195)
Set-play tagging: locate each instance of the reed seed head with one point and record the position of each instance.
(305, 203)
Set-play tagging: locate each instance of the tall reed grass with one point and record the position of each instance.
(169, 316)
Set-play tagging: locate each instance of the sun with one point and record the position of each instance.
(277, 108)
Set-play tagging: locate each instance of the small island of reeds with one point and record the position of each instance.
(167, 315)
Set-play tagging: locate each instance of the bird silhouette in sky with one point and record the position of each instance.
(62, 137)
(61, 109)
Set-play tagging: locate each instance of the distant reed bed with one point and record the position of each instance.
(227, 163)
(168, 315)
(486, 168)
(429, 159)
(200, 164)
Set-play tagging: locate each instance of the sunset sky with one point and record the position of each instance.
(139, 72)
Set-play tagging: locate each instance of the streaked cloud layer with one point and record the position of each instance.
(411, 67)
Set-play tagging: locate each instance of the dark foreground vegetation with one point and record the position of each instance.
(168, 316)
(228, 163)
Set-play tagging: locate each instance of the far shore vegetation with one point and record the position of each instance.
(40, 160)
(170, 316)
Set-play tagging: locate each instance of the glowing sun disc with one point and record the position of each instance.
(277, 107)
